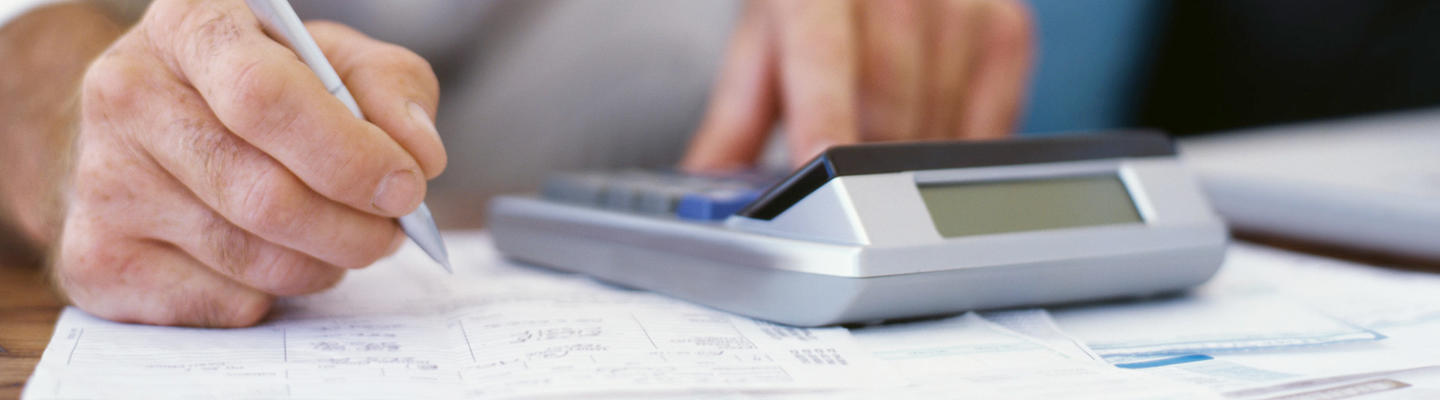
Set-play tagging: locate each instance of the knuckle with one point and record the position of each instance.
(208, 29)
(250, 87)
(80, 269)
(253, 96)
(101, 188)
(218, 155)
(90, 269)
(111, 86)
(232, 249)
(272, 205)
(216, 151)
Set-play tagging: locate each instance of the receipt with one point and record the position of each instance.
(397, 330)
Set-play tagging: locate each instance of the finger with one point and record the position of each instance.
(243, 257)
(395, 87)
(148, 282)
(817, 56)
(890, 69)
(743, 104)
(252, 190)
(992, 102)
(949, 67)
(262, 92)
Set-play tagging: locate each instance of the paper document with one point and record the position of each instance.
(1272, 325)
(1408, 362)
(1038, 325)
(1293, 313)
(1234, 312)
(400, 330)
(1359, 294)
(970, 355)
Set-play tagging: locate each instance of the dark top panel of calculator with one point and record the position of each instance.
(880, 158)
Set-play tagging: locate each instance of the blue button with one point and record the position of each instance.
(714, 205)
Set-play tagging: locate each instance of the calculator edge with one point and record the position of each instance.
(810, 283)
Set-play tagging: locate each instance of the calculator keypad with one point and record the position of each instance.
(662, 193)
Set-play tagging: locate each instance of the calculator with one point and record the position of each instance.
(882, 231)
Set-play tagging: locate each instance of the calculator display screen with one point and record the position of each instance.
(978, 208)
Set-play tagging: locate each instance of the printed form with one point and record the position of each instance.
(396, 330)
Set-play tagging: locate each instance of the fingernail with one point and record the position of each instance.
(398, 193)
(421, 117)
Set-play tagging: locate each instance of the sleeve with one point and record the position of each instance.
(11, 9)
(126, 11)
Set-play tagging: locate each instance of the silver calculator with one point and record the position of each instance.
(885, 231)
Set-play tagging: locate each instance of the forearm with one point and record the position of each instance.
(43, 55)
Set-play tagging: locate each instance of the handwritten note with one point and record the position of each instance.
(401, 330)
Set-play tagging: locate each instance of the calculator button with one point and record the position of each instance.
(714, 205)
(652, 192)
(657, 199)
(619, 194)
(575, 188)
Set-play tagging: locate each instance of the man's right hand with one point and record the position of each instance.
(213, 170)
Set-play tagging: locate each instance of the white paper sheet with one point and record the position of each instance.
(1236, 311)
(970, 357)
(402, 329)
(1399, 305)
(1038, 325)
(1363, 295)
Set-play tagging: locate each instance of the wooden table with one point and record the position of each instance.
(28, 311)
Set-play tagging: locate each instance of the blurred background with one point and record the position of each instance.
(623, 83)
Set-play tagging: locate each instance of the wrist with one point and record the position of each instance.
(44, 54)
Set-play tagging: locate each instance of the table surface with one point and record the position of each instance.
(28, 310)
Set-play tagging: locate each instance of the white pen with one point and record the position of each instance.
(280, 19)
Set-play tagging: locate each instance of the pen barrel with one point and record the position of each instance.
(343, 94)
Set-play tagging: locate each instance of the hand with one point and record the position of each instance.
(213, 170)
(841, 72)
